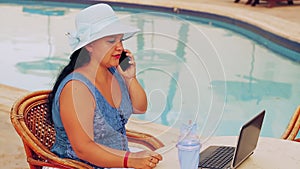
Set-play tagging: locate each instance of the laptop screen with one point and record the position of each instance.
(248, 139)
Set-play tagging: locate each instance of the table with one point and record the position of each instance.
(270, 153)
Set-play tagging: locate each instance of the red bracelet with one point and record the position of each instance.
(126, 159)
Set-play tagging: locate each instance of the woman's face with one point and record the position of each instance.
(107, 50)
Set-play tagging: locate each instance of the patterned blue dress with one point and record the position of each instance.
(109, 122)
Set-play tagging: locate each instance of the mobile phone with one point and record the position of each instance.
(124, 61)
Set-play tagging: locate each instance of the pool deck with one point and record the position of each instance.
(282, 20)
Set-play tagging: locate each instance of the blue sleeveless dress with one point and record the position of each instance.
(109, 122)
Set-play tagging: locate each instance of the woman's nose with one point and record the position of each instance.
(119, 46)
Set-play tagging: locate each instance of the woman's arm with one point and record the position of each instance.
(137, 95)
(77, 107)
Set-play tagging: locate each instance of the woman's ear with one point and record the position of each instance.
(89, 47)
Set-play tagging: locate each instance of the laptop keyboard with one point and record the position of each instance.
(219, 158)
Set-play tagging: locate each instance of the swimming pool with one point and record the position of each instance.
(190, 68)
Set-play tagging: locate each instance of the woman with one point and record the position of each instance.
(93, 97)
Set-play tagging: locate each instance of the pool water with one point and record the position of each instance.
(190, 69)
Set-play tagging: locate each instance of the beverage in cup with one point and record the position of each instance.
(188, 147)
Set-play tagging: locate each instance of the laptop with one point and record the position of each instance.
(228, 157)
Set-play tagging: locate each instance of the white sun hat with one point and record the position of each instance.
(95, 22)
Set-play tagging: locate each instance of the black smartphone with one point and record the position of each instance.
(124, 61)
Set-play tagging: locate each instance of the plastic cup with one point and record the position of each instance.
(189, 155)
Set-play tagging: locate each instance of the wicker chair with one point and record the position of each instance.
(293, 127)
(38, 135)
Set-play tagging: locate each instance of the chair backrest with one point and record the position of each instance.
(28, 116)
(293, 127)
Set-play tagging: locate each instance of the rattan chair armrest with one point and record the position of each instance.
(145, 139)
(297, 139)
(293, 126)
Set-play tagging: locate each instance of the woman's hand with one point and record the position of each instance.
(144, 159)
(130, 72)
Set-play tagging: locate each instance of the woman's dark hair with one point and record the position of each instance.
(78, 58)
